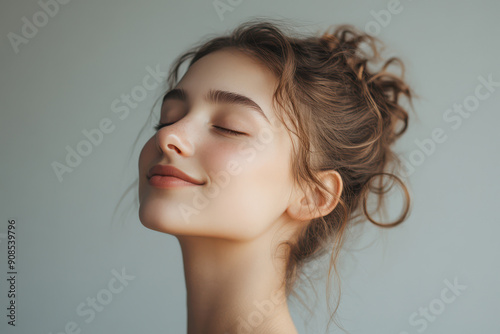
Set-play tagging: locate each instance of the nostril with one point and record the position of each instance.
(171, 146)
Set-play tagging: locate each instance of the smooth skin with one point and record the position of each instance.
(229, 227)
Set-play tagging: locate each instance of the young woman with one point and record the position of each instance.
(265, 152)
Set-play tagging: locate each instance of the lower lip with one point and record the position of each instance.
(161, 181)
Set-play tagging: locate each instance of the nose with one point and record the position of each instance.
(174, 138)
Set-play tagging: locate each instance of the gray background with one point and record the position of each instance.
(65, 79)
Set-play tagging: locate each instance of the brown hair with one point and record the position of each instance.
(346, 114)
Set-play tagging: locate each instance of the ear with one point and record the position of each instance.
(315, 202)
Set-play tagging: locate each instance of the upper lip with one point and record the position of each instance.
(167, 170)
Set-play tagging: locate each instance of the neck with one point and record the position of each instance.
(234, 286)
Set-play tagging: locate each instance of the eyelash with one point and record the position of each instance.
(228, 131)
(158, 126)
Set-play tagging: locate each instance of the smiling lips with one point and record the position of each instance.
(168, 176)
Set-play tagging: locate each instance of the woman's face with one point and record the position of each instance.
(246, 179)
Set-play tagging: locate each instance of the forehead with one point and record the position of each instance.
(232, 64)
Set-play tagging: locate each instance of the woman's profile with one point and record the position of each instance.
(265, 152)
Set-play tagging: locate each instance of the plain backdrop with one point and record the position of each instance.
(68, 75)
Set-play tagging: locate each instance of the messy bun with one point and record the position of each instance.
(371, 120)
(345, 115)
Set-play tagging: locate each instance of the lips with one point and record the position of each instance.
(167, 170)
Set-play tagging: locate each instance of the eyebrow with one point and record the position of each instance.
(218, 96)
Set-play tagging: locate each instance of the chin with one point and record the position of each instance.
(163, 220)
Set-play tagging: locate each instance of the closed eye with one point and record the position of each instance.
(228, 131)
(231, 132)
(160, 125)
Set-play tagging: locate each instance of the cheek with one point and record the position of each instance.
(248, 191)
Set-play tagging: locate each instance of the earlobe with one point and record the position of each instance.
(315, 202)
